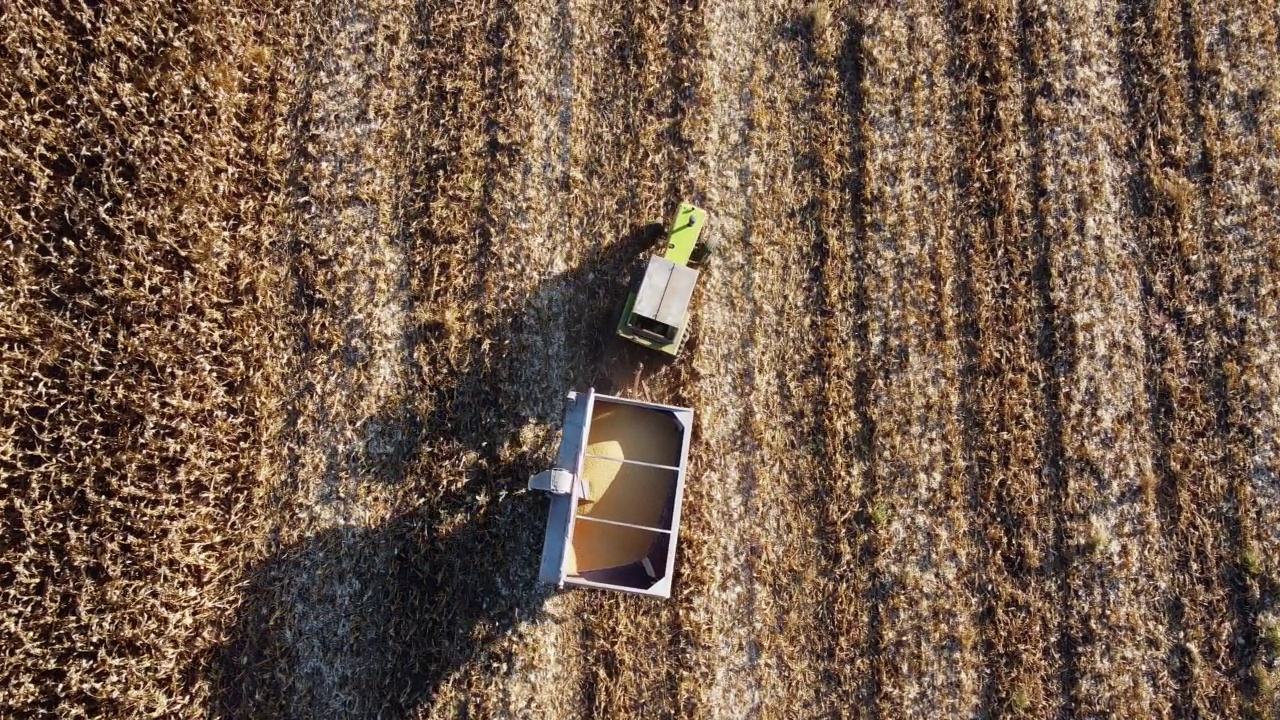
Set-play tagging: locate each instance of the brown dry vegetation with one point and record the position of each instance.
(987, 374)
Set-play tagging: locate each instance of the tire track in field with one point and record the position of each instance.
(1032, 38)
(782, 354)
(722, 679)
(835, 59)
(928, 660)
(1180, 294)
(1234, 47)
(1014, 498)
(1109, 506)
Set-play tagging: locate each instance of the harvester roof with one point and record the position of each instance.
(665, 293)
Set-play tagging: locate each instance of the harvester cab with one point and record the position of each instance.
(657, 314)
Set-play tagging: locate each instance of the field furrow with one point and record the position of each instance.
(834, 218)
(1186, 355)
(133, 205)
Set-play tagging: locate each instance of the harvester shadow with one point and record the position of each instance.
(581, 307)
(487, 403)
(374, 622)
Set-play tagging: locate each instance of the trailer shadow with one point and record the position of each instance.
(425, 595)
(373, 621)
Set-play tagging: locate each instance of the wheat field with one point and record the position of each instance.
(986, 373)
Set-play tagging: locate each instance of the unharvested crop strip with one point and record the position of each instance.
(135, 194)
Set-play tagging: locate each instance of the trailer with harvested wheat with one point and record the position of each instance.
(616, 491)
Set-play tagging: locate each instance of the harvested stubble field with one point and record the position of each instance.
(987, 374)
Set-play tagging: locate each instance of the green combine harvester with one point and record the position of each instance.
(657, 315)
